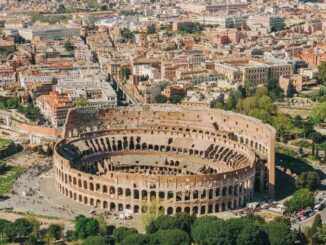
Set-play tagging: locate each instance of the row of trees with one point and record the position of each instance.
(258, 102)
(28, 231)
(175, 99)
(181, 229)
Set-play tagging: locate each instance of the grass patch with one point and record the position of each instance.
(4, 142)
(8, 178)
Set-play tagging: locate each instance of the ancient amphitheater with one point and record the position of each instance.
(188, 160)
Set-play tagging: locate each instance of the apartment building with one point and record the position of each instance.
(50, 32)
(54, 107)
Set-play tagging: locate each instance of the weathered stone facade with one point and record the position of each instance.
(188, 159)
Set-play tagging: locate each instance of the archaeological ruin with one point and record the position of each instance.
(188, 159)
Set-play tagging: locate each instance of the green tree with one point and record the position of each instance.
(283, 124)
(126, 72)
(301, 199)
(320, 235)
(175, 99)
(151, 29)
(85, 227)
(102, 225)
(135, 239)
(279, 233)
(69, 47)
(150, 212)
(121, 233)
(126, 35)
(252, 235)
(81, 102)
(274, 89)
(318, 114)
(310, 180)
(322, 72)
(54, 232)
(12, 103)
(161, 99)
(54, 81)
(94, 240)
(170, 237)
(3, 224)
(291, 90)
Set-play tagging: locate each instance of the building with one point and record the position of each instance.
(54, 107)
(50, 32)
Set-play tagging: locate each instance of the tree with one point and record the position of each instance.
(126, 72)
(161, 99)
(301, 199)
(151, 29)
(279, 233)
(150, 211)
(175, 99)
(94, 240)
(190, 27)
(54, 232)
(252, 235)
(282, 123)
(3, 224)
(12, 103)
(170, 237)
(274, 89)
(320, 235)
(69, 47)
(291, 90)
(85, 227)
(318, 114)
(81, 102)
(310, 180)
(322, 72)
(54, 81)
(126, 35)
(121, 233)
(135, 239)
(102, 225)
(205, 230)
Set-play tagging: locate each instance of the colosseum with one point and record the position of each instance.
(188, 159)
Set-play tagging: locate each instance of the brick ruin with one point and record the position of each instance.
(190, 160)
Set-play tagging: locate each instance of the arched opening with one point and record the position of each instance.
(195, 210)
(170, 195)
(112, 206)
(217, 208)
(136, 209)
(105, 204)
(178, 210)
(144, 195)
(120, 207)
(170, 211)
(98, 203)
(120, 191)
(105, 189)
(152, 195)
(112, 190)
(128, 192)
(187, 210)
(203, 210)
(195, 194)
(136, 194)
